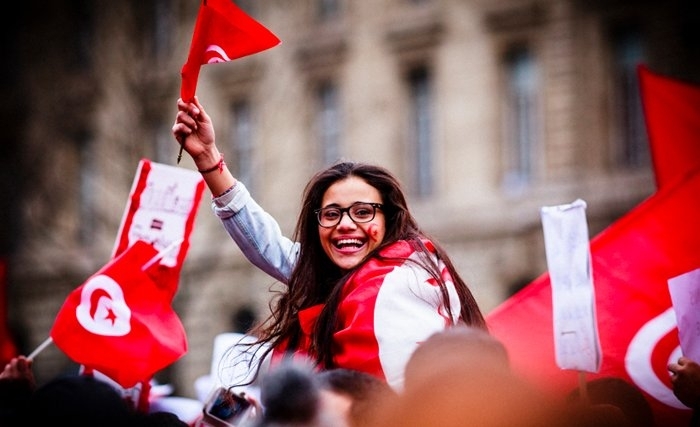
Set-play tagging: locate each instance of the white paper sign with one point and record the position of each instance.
(685, 297)
(576, 341)
(162, 205)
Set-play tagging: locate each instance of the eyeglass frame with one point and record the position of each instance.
(375, 206)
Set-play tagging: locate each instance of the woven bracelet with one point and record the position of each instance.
(219, 166)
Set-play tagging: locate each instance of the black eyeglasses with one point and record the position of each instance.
(359, 212)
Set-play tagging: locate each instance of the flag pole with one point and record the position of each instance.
(583, 388)
(39, 349)
(161, 254)
(179, 154)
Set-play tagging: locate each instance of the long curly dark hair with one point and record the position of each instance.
(317, 280)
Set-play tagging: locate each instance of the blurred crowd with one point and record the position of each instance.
(458, 377)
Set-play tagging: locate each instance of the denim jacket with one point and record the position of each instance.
(256, 233)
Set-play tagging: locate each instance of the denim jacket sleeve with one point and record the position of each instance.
(256, 233)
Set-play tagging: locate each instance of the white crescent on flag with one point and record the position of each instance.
(102, 309)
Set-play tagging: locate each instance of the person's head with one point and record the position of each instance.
(357, 396)
(78, 400)
(456, 347)
(464, 396)
(157, 419)
(349, 210)
(291, 395)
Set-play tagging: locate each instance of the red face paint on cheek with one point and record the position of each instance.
(373, 232)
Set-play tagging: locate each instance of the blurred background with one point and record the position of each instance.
(487, 110)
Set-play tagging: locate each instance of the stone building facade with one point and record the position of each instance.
(486, 110)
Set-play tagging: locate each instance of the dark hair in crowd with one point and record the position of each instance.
(290, 395)
(368, 393)
(78, 400)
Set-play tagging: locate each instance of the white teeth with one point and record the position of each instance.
(345, 242)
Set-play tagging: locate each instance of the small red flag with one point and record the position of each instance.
(120, 321)
(222, 33)
(672, 113)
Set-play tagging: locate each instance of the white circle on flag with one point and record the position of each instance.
(102, 309)
(638, 360)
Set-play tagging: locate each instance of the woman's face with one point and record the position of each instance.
(348, 243)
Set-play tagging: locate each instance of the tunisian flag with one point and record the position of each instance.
(632, 261)
(222, 33)
(120, 321)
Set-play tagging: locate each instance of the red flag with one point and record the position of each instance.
(161, 210)
(8, 350)
(120, 321)
(672, 112)
(222, 33)
(632, 261)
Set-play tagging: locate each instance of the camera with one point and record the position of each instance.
(225, 408)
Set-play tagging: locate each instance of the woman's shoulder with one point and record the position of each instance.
(397, 255)
(406, 248)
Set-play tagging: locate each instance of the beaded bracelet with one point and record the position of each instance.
(219, 166)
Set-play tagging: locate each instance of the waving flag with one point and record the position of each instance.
(672, 112)
(120, 321)
(161, 210)
(632, 261)
(222, 33)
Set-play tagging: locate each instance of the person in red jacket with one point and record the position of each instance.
(365, 284)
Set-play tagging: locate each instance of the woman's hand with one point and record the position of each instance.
(194, 131)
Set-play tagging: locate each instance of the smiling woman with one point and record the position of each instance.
(365, 284)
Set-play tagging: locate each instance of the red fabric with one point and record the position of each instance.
(222, 33)
(386, 309)
(632, 261)
(8, 349)
(120, 321)
(355, 341)
(133, 204)
(672, 112)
